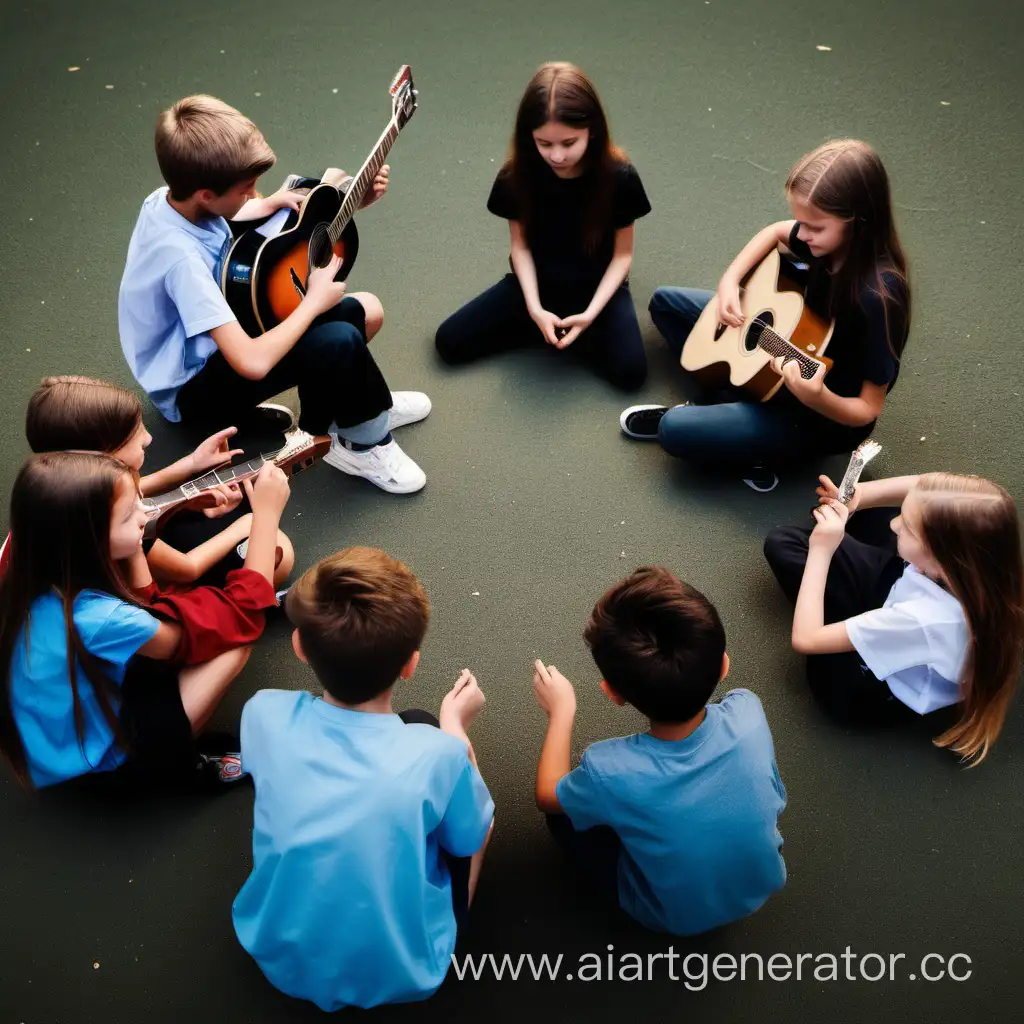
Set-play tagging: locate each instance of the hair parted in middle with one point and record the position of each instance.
(81, 413)
(561, 92)
(847, 179)
(202, 142)
(659, 644)
(361, 615)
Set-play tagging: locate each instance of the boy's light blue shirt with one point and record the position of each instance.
(349, 902)
(170, 298)
(41, 699)
(697, 817)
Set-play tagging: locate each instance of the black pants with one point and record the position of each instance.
(188, 529)
(594, 853)
(331, 365)
(496, 321)
(458, 867)
(863, 570)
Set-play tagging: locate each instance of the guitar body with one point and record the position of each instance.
(264, 279)
(718, 354)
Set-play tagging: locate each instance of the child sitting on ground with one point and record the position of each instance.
(370, 826)
(689, 808)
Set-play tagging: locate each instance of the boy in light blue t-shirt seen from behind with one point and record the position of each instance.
(679, 822)
(370, 826)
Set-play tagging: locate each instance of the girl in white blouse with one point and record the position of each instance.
(930, 616)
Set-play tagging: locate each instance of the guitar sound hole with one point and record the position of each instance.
(754, 331)
(320, 248)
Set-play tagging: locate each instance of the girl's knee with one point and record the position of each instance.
(372, 310)
(287, 560)
(782, 542)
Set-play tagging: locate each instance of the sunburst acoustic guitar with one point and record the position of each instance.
(777, 323)
(265, 272)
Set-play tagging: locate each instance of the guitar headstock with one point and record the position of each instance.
(301, 450)
(403, 96)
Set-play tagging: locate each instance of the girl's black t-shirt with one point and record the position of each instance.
(556, 238)
(860, 347)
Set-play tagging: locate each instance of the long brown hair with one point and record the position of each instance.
(60, 513)
(846, 178)
(73, 412)
(970, 526)
(562, 93)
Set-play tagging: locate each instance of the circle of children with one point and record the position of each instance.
(116, 649)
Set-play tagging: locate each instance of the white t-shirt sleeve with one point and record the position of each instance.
(890, 640)
(197, 296)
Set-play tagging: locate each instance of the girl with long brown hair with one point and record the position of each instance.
(928, 617)
(88, 675)
(844, 239)
(570, 196)
(76, 413)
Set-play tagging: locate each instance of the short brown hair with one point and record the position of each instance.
(201, 142)
(361, 615)
(659, 644)
(81, 413)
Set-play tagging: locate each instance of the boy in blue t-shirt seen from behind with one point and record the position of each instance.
(370, 827)
(680, 821)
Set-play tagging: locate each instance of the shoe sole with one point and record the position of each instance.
(632, 433)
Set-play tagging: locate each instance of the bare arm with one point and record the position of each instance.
(555, 761)
(253, 358)
(757, 248)
(164, 643)
(886, 493)
(522, 264)
(851, 412)
(557, 699)
(171, 565)
(615, 273)
(810, 634)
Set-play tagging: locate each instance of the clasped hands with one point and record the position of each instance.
(558, 331)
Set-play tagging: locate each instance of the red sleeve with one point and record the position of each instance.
(214, 619)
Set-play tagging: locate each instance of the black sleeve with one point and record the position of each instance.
(885, 331)
(502, 200)
(798, 248)
(631, 202)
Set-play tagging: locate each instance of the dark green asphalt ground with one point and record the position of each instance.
(534, 500)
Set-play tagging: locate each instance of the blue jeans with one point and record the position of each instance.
(733, 432)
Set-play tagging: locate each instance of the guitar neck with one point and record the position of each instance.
(363, 180)
(160, 503)
(776, 345)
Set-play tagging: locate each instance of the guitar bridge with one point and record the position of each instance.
(296, 283)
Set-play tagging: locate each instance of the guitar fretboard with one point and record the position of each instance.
(362, 181)
(193, 488)
(776, 345)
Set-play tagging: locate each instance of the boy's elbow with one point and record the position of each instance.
(547, 800)
(251, 369)
(802, 643)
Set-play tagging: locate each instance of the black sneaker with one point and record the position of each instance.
(761, 479)
(641, 421)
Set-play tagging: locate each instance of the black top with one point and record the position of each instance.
(556, 237)
(860, 347)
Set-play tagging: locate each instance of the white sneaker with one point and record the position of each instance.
(385, 465)
(408, 407)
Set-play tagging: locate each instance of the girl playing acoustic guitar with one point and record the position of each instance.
(570, 197)
(843, 230)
